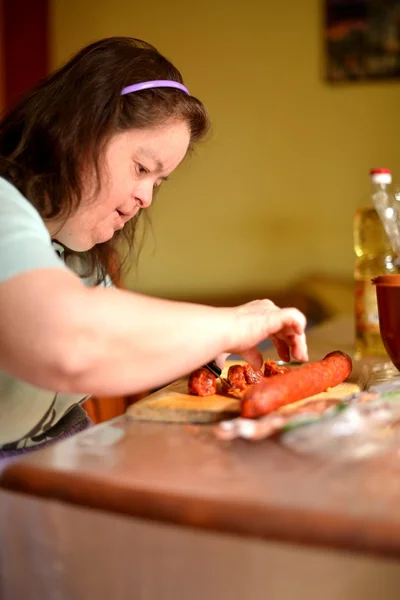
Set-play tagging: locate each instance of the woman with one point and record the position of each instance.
(80, 158)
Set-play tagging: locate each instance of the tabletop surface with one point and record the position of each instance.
(184, 475)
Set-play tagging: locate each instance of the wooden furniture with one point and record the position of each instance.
(51, 549)
(173, 513)
(101, 409)
(183, 475)
(104, 408)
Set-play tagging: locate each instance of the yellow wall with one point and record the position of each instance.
(270, 197)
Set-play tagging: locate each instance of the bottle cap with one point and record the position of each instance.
(372, 171)
(381, 175)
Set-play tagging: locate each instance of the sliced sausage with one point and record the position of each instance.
(236, 377)
(271, 368)
(251, 375)
(202, 383)
(241, 376)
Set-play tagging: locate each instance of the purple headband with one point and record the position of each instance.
(146, 85)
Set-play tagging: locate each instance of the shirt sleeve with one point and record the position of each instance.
(25, 243)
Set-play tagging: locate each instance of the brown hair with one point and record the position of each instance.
(67, 120)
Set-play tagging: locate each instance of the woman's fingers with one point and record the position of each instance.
(220, 359)
(294, 345)
(262, 319)
(281, 347)
(299, 348)
(288, 321)
(253, 357)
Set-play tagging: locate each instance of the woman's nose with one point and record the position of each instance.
(144, 197)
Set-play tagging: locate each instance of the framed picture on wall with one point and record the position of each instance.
(362, 40)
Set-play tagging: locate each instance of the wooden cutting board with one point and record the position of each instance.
(173, 404)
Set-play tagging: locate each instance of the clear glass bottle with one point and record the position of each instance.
(374, 256)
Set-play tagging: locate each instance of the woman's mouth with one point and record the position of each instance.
(127, 216)
(120, 221)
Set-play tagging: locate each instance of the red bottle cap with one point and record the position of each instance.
(377, 171)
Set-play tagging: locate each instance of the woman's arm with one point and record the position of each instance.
(60, 335)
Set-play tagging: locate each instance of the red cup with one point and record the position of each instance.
(388, 297)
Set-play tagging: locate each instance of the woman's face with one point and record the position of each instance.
(135, 163)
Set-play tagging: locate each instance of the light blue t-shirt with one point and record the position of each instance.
(27, 413)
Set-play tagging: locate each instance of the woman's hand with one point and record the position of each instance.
(261, 319)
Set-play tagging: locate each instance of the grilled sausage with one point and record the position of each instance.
(236, 377)
(307, 380)
(202, 383)
(241, 376)
(251, 375)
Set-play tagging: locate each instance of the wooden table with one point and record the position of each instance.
(238, 499)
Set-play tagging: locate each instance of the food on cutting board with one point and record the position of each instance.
(241, 376)
(202, 383)
(311, 378)
(271, 367)
(280, 385)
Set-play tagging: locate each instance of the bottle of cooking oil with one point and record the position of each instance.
(374, 256)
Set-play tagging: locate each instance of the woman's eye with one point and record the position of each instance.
(141, 169)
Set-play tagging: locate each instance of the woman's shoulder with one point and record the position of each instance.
(13, 202)
(25, 243)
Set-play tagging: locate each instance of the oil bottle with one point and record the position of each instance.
(374, 256)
